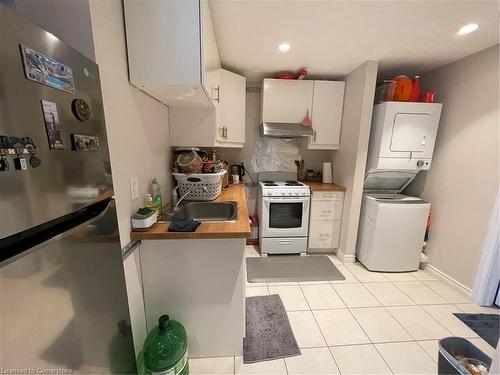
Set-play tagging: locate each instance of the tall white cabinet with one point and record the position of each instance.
(290, 101)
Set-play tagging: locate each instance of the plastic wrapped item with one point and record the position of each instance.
(275, 154)
(459, 356)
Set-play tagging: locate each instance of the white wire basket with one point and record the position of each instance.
(194, 182)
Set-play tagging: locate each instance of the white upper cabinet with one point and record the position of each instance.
(222, 127)
(327, 104)
(231, 109)
(172, 50)
(289, 101)
(286, 101)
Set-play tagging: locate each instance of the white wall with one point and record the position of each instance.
(69, 20)
(138, 136)
(137, 124)
(463, 182)
(349, 161)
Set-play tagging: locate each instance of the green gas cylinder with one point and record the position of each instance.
(165, 348)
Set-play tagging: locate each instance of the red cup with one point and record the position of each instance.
(428, 97)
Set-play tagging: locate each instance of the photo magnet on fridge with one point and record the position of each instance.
(44, 69)
(52, 125)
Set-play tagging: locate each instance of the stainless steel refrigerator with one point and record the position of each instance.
(63, 302)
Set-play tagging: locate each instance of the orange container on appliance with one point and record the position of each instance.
(402, 92)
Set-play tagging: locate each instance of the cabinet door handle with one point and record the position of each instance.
(224, 132)
(217, 98)
(314, 135)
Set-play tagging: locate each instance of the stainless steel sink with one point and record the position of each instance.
(205, 211)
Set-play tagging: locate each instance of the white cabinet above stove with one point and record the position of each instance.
(403, 135)
(288, 102)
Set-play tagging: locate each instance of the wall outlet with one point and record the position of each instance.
(134, 188)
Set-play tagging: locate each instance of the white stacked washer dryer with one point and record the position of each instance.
(392, 225)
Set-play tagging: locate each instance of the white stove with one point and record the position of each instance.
(283, 216)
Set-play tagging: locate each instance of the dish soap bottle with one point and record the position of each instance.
(149, 203)
(155, 189)
(165, 348)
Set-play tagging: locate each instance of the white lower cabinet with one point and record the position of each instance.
(325, 221)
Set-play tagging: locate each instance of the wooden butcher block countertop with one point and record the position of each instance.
(208, 229)
(318, 186)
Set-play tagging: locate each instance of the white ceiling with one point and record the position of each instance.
(331, 38)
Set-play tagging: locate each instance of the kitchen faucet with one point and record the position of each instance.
(176, 205)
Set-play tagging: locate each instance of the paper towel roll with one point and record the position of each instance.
(327, 173)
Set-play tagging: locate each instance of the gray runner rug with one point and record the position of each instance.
(287, 268)
(268, 331)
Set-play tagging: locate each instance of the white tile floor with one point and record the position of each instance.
(370, 323)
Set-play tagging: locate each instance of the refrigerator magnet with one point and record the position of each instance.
(85, 142)
(44, 69)
(81, 109)
(52, 125)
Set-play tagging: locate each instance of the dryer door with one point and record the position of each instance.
(410, 132)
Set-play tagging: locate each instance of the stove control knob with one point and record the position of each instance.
(296, 193)
(420, 163)
(283, 193)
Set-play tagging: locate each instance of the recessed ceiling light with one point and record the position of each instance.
(284, 47)
(466, 29)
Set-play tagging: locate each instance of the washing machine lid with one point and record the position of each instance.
(386, 181)
(394, 198)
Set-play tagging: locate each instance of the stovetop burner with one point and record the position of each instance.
(268, 182)
(293, 183)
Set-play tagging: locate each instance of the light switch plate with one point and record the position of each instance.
(134, 188)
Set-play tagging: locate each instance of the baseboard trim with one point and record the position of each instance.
(346, 258)
(447, 279)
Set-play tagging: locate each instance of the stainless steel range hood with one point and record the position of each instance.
(283, 130)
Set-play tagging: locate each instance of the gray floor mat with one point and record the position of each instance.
(287, 268)
(268, 331)
(487, 326)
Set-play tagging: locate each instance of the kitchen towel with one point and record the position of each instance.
(327, 173)
(183, 225)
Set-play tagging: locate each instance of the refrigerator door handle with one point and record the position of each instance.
(13, 247)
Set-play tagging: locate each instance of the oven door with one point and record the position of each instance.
(285, 216)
